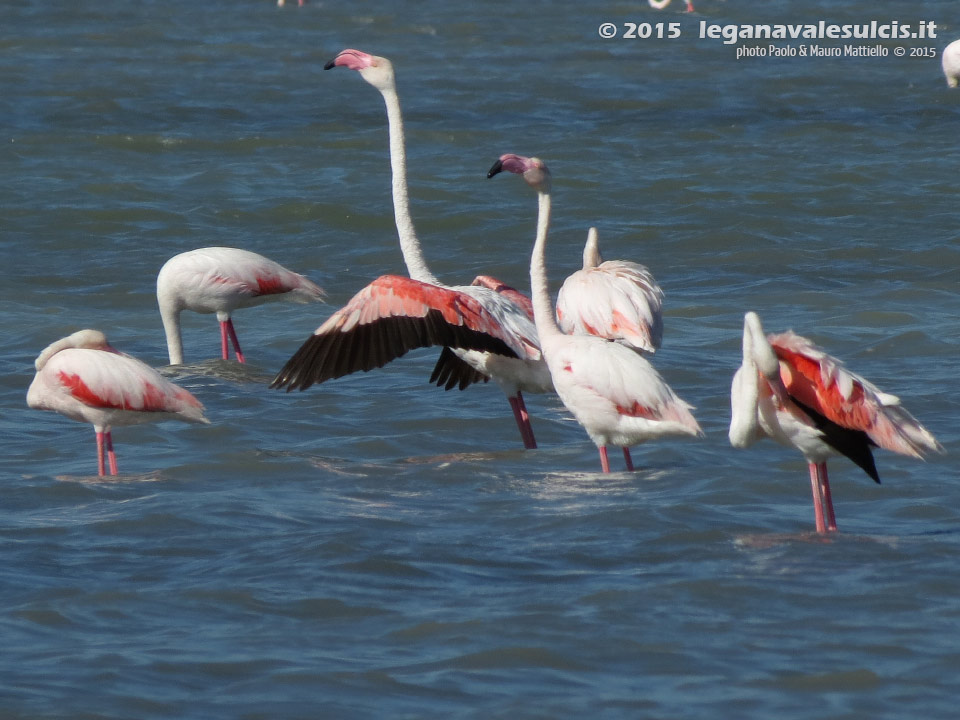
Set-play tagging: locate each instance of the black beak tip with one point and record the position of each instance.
(330, 64)
(497, 167)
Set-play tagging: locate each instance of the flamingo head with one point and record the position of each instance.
(82, 339)
(378, 71)
(534, 171)
(89, 339)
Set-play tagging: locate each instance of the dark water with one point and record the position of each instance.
(376, 547)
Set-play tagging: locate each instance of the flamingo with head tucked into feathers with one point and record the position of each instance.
(950, 62)
(220, 280)
(484, 330)
(612, 391)
(613, 299)
(83, 377)
(790, 390)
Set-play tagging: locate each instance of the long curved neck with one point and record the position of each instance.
(409, 244)
(744, 398)
(171, 327)
(539, 288)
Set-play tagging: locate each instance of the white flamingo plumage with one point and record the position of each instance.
(614, 299)
(612, 391)
(83, 377)
(790, 390)
(220, 280)
(661, 4)
(482, 322)
(950, 61)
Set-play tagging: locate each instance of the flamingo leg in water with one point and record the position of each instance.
(829, 518)
(100, 465)
(523, 420)
(690, 8)
(627, 459)
(817, 490)
(604, 460)
(224, 344)
(111, 455)
(226, 330)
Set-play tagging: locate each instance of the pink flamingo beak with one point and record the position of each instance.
(510, 163)
(351, 59)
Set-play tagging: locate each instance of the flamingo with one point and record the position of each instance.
(614, 299)
(82, 377)
(790, 390)
(661, 4)
(951, 63)
(613, 392)
(220, 280)
(486, 328)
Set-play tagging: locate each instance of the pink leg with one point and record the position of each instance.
(100, 465)
(690, 6)
(108, 441)
(604, 460)
(224, 344)
(829, 517)
(817, 497)
(628, 459)
(523, 420)
(226, 329)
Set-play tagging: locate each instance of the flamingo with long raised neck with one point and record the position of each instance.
(482, 326)
(220, 280)
(82, 377)
(790, 390)
(612, 391)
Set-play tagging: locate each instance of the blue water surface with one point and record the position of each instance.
(378, 547)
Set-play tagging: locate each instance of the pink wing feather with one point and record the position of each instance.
(109, 380)
(617, 300)
(820, 382)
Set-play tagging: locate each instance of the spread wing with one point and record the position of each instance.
(385, 320)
